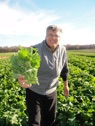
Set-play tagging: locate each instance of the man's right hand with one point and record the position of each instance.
(22, 81)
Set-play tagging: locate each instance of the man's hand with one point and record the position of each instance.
(22, 82)
(66, 88)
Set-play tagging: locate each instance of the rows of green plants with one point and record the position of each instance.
(12, 98)
(76, 110)
(86, 63)
(79, 108)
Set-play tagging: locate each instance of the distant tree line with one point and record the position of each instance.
(76, 47)
(68, 47)
(9, 49)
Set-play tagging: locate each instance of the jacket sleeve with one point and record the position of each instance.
(64, 73)
(65, 70)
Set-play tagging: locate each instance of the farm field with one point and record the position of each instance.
(76, 110)
(5, 55)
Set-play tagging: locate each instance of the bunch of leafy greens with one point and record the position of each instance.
(26, 62)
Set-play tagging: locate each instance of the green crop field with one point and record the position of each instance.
(76, 110)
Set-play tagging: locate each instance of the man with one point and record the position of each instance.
(41, 100)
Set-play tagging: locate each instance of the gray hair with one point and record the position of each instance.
(54, 28)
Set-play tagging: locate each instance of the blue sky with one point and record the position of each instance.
(23, 22)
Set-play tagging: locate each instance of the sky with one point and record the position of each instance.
(24, 22)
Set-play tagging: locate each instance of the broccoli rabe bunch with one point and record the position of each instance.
(26, 62)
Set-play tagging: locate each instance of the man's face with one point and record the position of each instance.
(53, 38)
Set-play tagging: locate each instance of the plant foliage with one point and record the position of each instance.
(26, 62)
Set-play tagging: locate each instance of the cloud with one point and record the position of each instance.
(17, 22)
(24, 26)
(77, 36)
